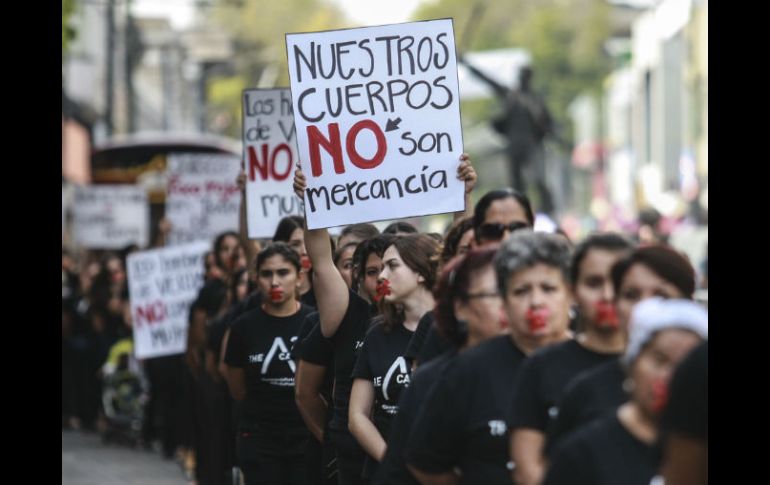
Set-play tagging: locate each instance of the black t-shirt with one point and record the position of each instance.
(590, 395)
(543, 379)
(462, 422)
(435, 345)
(216, 331)
(260, 344)
(393, 468)
(309, 299)
(346, 342)
(311, 346)
(382, 362)
(687, 411)
(603, 453)
(307, 325)
(418, 339)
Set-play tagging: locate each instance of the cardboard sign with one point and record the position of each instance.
(377, 113)
(111, 216)
(203, 199)
(162, 284)
(270, 153)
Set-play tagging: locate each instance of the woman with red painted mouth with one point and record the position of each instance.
(291, 231)
(382, 371)
(645, 272)
(345, 316)
(272, 436)
(469, 310)
(544, 376)
(620, 448)
(463, 424)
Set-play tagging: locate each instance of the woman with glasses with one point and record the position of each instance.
(468, 311)
(499, 213)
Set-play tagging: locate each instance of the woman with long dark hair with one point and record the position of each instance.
(381, 372)
(468, 311)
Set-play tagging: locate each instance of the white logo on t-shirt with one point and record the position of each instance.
(402, 377)
(497, 427)
(283, 355)
(553, 411)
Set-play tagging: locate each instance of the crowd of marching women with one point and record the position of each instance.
(490, 354)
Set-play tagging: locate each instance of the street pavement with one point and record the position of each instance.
(86, 461)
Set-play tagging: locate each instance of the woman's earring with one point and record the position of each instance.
(629, 385)
(573, 312)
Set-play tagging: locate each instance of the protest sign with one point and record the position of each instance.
(111, 216)
(202, 196)
(377, 121)
(270, 154)
(162, 284)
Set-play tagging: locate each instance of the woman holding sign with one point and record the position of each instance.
(381, 372)
(344, 319)
(271, 433)
(345, 314)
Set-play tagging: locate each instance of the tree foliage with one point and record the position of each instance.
(68, 32)
(258, 30)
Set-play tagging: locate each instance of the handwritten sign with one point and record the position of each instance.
(203, 198)
(111, 216)
(162, 284)
(378, 121)
(270, 153)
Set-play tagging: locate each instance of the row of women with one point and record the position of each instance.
(492, 355)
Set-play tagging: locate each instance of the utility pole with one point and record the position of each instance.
(108, 110)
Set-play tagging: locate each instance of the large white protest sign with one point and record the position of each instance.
(162, 284)
(202, 196)
(270, 153)
(111, 216)
(377, 113)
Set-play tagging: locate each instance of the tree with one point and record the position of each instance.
(258, 30)
(68, 33)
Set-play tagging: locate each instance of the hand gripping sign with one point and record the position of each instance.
(377, 117)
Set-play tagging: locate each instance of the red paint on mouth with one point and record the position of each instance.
(276, 294)
(606, 316)
(306, 263)
(383, 290)
(537, 319)
(659, 396)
